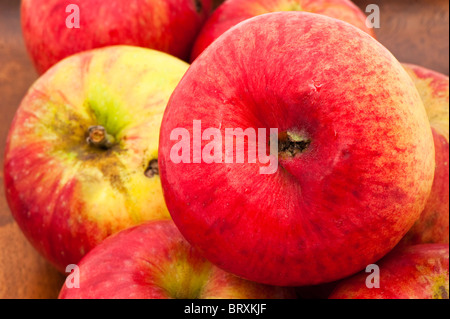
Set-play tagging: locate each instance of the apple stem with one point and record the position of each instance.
(98, 137)
(290, 144)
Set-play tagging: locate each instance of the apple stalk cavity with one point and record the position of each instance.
(98, 137)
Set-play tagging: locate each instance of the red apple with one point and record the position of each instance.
(170, 26)
(413, 272)
(231, 12)
(355, 150)
(153, 261)
(81, 155)
(433, 224)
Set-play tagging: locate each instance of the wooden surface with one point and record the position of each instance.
(415, 31)
(23, 272)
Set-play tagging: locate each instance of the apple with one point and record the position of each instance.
(81, 156)
(153, 261)
(433, 224)
(231, 12)
(55, 29)
(353, 166)
(410, 272)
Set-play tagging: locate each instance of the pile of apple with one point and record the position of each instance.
(362, 172)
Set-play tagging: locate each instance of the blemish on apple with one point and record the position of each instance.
(152, 168)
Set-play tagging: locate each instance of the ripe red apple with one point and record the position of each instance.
(231, 12)
(81, 155)
(355, 150)
(153, 261)
(412, 272)
(170, 26)
(433, 224)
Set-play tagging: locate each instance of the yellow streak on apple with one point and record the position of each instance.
(434, 101)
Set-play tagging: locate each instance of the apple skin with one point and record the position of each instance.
(327, 212)
(170, 26)
(410, 272)
(433, 224)
(232, 12)
(67, 195)
(154, 261)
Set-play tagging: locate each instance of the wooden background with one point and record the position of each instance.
(416, 31)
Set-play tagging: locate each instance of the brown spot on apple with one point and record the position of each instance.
(444, 292)
(152, 168)
(441, 293)
(440, 287)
